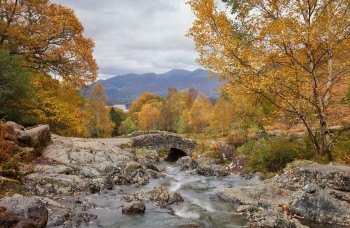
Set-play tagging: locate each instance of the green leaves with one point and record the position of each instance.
(14, 86)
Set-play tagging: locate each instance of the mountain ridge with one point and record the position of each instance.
(125, 88)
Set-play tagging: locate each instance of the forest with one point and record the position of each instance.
(289, 82)
(282, 113)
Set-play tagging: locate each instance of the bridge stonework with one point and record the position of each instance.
(162, 140)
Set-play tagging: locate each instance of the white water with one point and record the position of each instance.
(201, 207)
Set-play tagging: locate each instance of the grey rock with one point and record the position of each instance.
(136, 207)
(135, 173)
(312, 192)
(89, 172)
(119, 180)
(186, 163)
(20, 211)
(38, 136)
(14, 125)
(332, 176)
(161, 195)
(310, 188)
(318, 206)
(154, 174)
(274, 219)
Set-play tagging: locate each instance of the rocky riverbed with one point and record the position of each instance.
(306, 193)
(104, 183)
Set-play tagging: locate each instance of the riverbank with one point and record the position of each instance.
(107, 183)
(88, 182)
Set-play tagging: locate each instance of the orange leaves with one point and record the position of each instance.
(145, 98)
(50, 38)
(7, 148)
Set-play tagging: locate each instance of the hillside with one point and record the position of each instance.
(125, 88)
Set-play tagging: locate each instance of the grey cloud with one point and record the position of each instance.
(137, 36)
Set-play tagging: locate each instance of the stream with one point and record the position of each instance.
(200, 209)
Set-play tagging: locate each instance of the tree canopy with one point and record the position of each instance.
(292, 53)
(49, 37)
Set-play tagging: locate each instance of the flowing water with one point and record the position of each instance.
(200, 209)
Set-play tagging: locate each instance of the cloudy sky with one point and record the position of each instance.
(137, 36)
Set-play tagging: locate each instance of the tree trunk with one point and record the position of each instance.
(312, 135)
(327, 143)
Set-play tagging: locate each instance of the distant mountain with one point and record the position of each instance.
(126, 88)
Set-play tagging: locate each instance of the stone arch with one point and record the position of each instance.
(162, 140)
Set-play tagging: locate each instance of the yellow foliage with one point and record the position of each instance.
(145, 98)
(200, 114)
(292, 53)
(149, 118)
(60, 106)
(99, 124)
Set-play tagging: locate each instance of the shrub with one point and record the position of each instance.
(273, 153)
(238, 138)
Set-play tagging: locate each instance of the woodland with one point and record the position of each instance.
(284, 65)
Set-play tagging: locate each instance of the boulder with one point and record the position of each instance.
(186, 163)
(20, 211)
(15, 126)
(136, 207)
(36, 137)
(135, 173)
(119, 180)
(154, 174)
(147, 156)
(239, 164)
(159, 194)
(317, 205)
(209, 167)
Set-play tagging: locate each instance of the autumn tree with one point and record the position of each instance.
(224, 116)
(172, 108)
(145, 98)
(49, 37)
(149, 118)
(200, 114)
(59, 105)
(100, 124)
(293, 53)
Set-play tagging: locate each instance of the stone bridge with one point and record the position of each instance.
(162, 140)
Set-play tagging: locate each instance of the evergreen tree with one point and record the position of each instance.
(14, 86)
